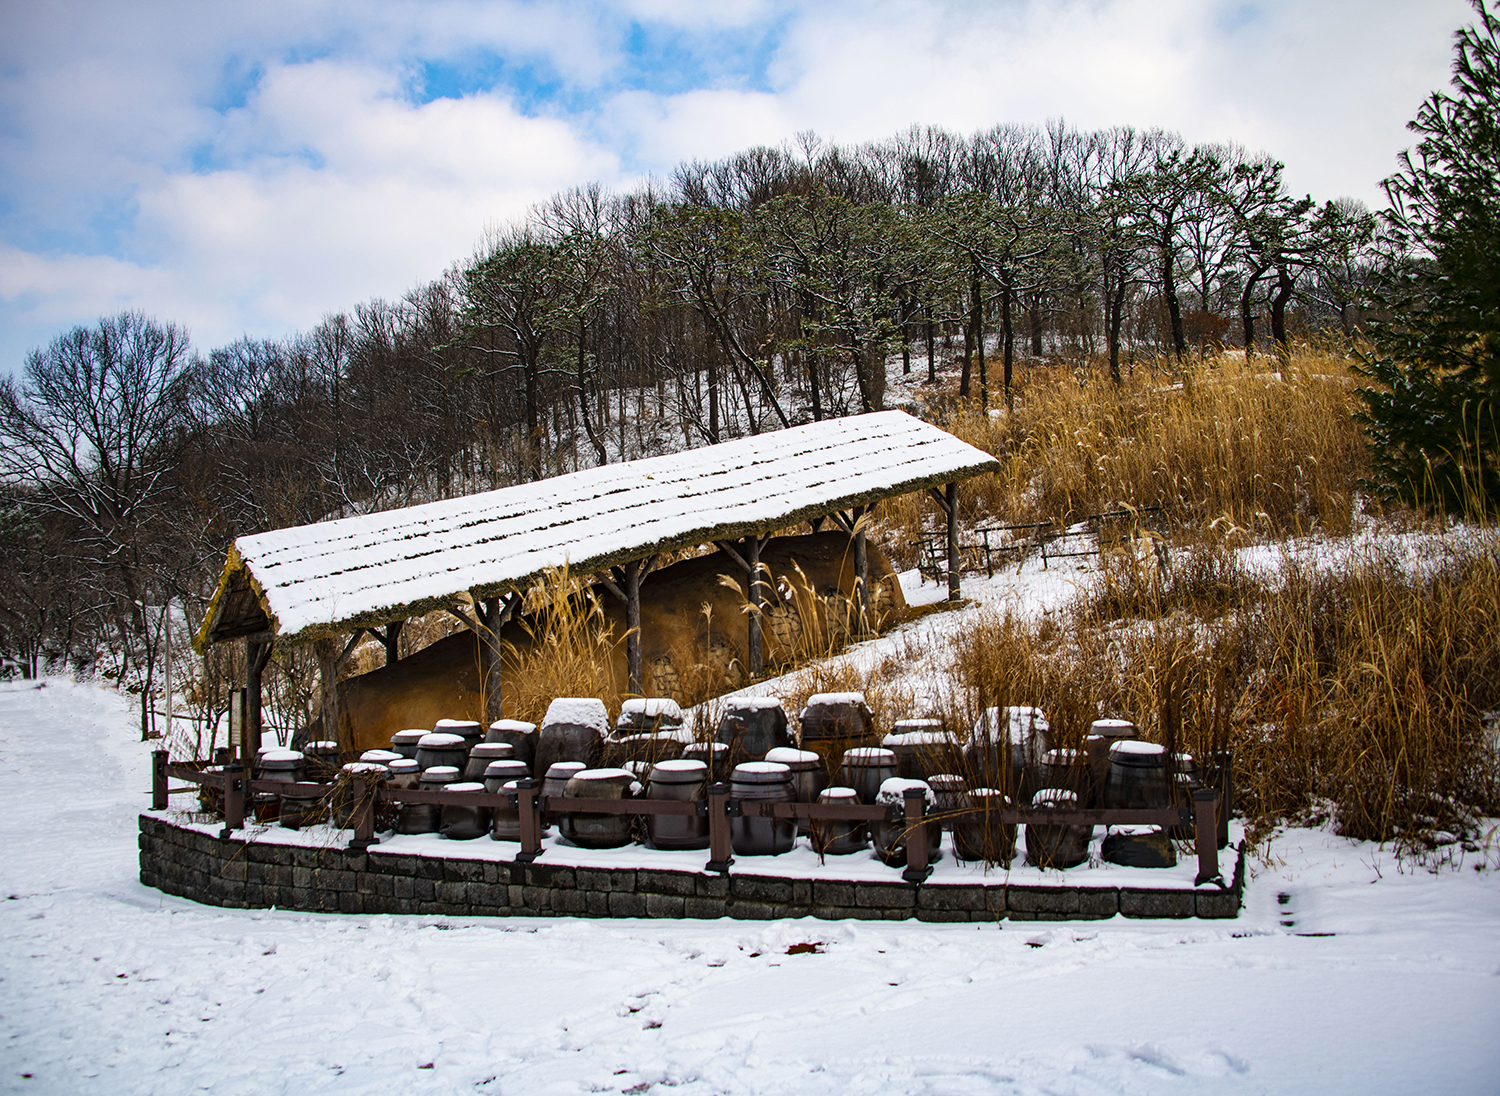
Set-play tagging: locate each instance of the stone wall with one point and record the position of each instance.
(255, 875)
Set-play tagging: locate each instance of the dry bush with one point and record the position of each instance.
(1361, 685)
(1273, 451)
(570, 651)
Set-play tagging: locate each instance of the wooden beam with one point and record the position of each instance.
(951, 505)
(633, 571)
(939, 498)
(614, 586)
(733, 553)
(755, 650)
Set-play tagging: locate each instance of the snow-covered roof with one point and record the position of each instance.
(323, 579)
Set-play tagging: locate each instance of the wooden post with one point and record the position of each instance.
(719, 847)
(950, 493)
(861, 573)
(391, 639)
(257, 654)
(491, 618)
(364, 814)
(914, 803)
(633, 626)
(755, 649)
(529, 811)
(328, 679)
(158, 780)
(234, 799)
(1205, 834)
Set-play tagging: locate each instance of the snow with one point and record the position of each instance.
(1136, 748)
(832, 700)
(790, 755)
(753, 703)
(651, 707)
(583, 711)
(893, 791)
(335, 571)
(436, 741)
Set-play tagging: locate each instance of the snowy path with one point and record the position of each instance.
(106, 986)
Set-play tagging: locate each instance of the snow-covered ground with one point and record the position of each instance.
(1364, 978)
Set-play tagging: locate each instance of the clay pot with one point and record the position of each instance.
(441, 749)
(678, 780)
(890, 838)
(865, 769)
(405, 742)
(501, 776)
(982, 836)
(752, 726)
(1056, 846)
(467, 729)
(833, 723)
(807, 775)
(923, 748)
(831, 837)
(482, 753)
(458, 822)
(520, 734)
(648, 715)
(1137, 776)
(766, 781)
(1067, 769)
(426, 817)
(713, 754)
(597, 831)
(555, 786)
(573, 730)
(343, 803)
(1005, 750)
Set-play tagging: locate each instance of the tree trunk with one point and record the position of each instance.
(1283, 294)
(931, 350)
(1174, 307)
(1009, 348)
(583, 395)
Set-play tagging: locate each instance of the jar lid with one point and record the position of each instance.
(506, 769)
(445, 772)
(680, 768)
(761, 772)
(945, 782)
(436, 741)
(1113, 728)
(990, 793)
(514, 726)
(716, 748)
(380, 757)
(837, 795)
(469, 786)
(869, 755)
(365, 767)
(1132, 751)
(1054, 797)
(915, 738)
(495, 751)
(831, 700)
(409, 736)
(277, 755)
(793, 758)
(322, 746)
(561, 770)
(460, 726)
(894, 791)
(404, 767)
(651, 707)
(903, 726)
(1060, 757)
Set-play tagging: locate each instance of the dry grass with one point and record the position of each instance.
(570, 652)
(1214, 440)
(1360, 688)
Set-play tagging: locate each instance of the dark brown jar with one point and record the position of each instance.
(764, 781)
(922, 748)
(519, 734)
(467, 729)
(808, 780)
(598, 831)
(1005, 749)
(752, 726)
(713, 754)
(1056, 846)
(500, 777)
(459, 822)
(344, 802)
(405, 742)
(573, 729)
(864, 769)
(981, 835)
(685, 781)
(405, 774)
(426, 817)
(481, 754)
(1137, 776)
(890, 838)
(442, 749)
(833, 723)
(835, 837)
(1068, 770)
(555, 785)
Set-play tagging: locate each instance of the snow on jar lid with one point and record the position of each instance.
(356, 767)
(506, 769)
(276, 753)
(441, 772)
(1060, 757)
(469, 787)
(752, 703)
(760, 772)
(989, 793)
(1132, 751)
(404, 767)
(322, 746)
(835, 698)
(456, 725)
(495, 751)
(604, 774)
(906, 726)
(869, 755)
(438, 741)
(562, 770)
(652, 707)
(793, 758)
(837, 795)
(894, 791)
(410, 736)
(380, 757)
(681, 765)
(584, 711)
(514, 726)
(1112, 728)
(1054, 797)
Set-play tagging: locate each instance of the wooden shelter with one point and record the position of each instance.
(475, 556)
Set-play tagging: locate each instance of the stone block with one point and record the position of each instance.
(464, 871)
(802, 892)
(403, 887)
(1098, 902)
(324, 901)
(1216, 903)
(351, 902)
(950, 898)
(664, 905)
(557, 876)
(424, 890)
(832, 894)
(451, 892)
(428, 867)
(753, 911)
(842, 913)
(943, 915)
(517, 896)
(491, 873)
(385, 886)
(351, 860)
(364, 883)
(334, 880)
(489, 895)
(394, 864)
(711, 884)
(665, 882)
(704, 908)
(255, 895)
(596, 903)
(305, 857)
(605, 880)
(885, 895)
(1154, 903)
(626, 905)
(569, 901)
(536, 898)
(759, 888)
(1053, 901)
(302, 878)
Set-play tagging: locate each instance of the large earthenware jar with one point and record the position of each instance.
(1005, 750)
(923, 747)
(752, 726)
(405, 742)
(765, 781)
(597, 831)
(648, 715)
(574, 729)
(865, 769)
(442, 749)
(519, 734)
(1056, 846)
(833, 723)
(890, 837)
(482, 753)
(684, 781)
(467, 729)
(500, 777)
(981, 835)
(837, 837)
(555, 786)
(808, 780)
(1137, 776)
(459, 822)
(426, 817)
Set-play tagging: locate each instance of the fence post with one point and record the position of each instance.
(1225, 761)
(1205, 836)
(364, 814)
(718, 828)
(915, 806)
(531, 819)
(158, 780)
(234, 799)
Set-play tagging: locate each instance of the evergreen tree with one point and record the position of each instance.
(1434, 423)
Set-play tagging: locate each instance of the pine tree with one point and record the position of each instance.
(1434, 424)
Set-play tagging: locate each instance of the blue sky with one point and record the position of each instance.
(249, 168)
